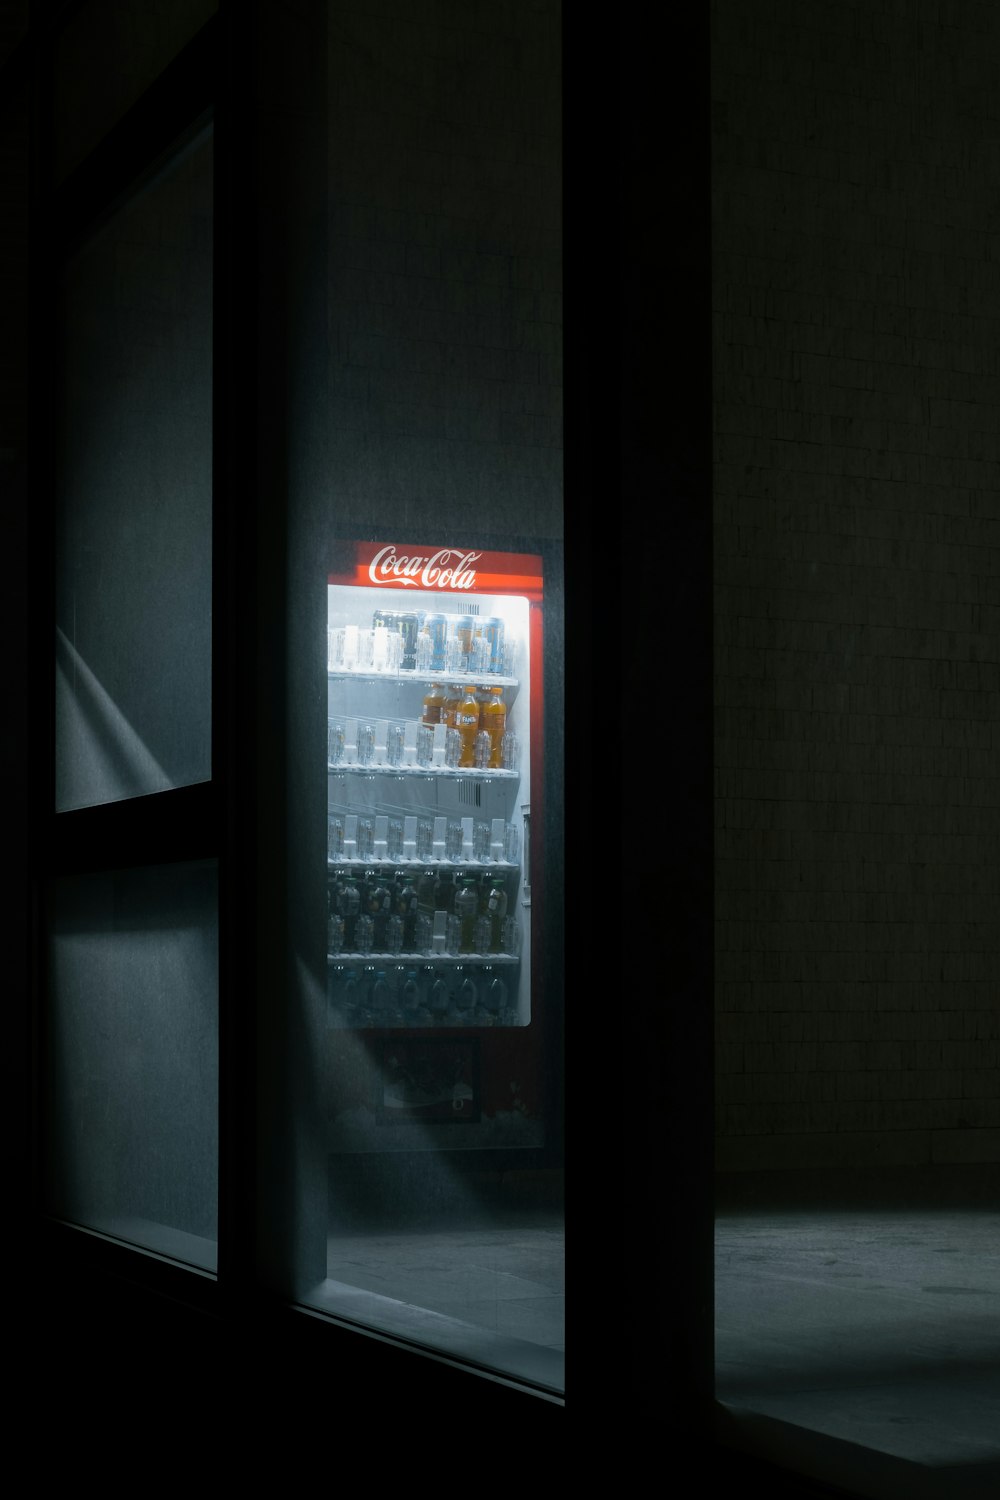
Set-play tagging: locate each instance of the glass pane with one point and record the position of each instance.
(134, 498)
(439, 433)
(131, 1057)
(438, 1014)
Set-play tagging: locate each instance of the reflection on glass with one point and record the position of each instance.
(131, 1063)
(134, 497)
(411, 1118)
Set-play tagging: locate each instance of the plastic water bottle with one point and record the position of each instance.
(394, 934)
(349, 905)
(350, 998)
(439, 1001)
(366, 1014)
(467, 994)
(334, 927)
(411, 997)
(425, 650)
(365, 932)
(496, 1001)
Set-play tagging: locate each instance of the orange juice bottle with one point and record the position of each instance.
(433, 703)
(493, 718)
(449, 708)
(467, 724)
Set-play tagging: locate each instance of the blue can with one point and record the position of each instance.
(437, 627)
(492, 628)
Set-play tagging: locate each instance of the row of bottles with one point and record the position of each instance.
(415, 641)
(362, 997)
(394, 911)
(479, 714)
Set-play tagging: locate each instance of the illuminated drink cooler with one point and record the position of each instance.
(434, 735)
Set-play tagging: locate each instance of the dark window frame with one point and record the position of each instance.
(606, 455)
(210, 81)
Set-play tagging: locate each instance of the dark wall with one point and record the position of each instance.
(856, 299)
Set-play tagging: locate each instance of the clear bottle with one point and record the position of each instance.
(366, 744)
(425, 979)
(334, 742)
(423, 932)
(334, 837)
(410, 998)
(381, 910)
(349, 907)
(468, 996)
(334, 926)
(395, 743)
(365, 933)
(453, 1016)
(467, 724)
(379, 638)
(453, 934)
(365, 1012)
(381, 1000)
(350, 997)
(426, 883)
(365, 843)
(438, 1002)
(467, 909)
(335, 976)
(424, 750)
(496, 907)
(496, 1001)
(424, 656)
(405, 905)
(453, 696)
(484, 1016)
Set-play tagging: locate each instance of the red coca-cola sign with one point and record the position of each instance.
(448, 570)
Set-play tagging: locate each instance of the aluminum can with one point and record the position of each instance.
(408, 625)
(465, 627)
(437, 628)
(492, 628)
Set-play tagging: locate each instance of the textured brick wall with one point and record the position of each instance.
(856, 266)
(445, 266)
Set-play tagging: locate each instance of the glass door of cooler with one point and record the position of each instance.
(429, 749)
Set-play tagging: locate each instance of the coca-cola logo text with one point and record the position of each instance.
(437, 572)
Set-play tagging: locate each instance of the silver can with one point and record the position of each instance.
(493, 633)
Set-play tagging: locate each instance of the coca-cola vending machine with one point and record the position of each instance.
(434, 851)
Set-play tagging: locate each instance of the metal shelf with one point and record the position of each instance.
(407, 674)
(370, 862)
(424, 960)
(460, 773)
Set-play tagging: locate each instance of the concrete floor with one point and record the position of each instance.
(862, 1346)
(493, 1293)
